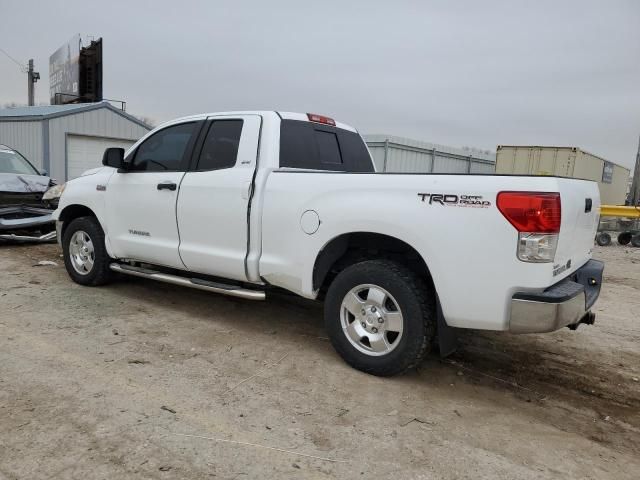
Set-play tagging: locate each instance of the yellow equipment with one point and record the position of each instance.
(619, 211)
(625, 221)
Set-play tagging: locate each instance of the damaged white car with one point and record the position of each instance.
(28, 197)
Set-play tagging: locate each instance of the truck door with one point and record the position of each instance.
(141, 201)
(214, 197)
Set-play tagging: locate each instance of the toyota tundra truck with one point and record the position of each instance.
(244, 203)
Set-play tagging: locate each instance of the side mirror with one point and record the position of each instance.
(113, 157)
(44, 173)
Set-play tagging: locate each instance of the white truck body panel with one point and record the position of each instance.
(470, 252)
(212, 211)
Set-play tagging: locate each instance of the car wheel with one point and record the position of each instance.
(603, 239)
(380, 317)
(624, 238)
(635, 240)
(85, 255)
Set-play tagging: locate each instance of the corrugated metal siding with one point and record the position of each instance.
(413, 156)
(26, 137)
(97, 123)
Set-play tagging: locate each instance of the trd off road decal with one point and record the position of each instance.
(453, 200)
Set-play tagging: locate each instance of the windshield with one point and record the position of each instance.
(12, 162)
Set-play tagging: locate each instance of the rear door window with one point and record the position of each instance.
(321, 147)
(220, 147)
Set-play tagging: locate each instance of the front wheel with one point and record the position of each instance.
(380, 317)
(85, 255)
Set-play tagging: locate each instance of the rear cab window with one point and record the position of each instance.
(322, 147)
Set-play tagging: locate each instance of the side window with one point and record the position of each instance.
(220, 147)
(164, 150)
(319, 147)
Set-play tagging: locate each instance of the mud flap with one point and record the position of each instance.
(447, 338)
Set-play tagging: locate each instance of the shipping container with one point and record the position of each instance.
(398, 154)
(565, 162)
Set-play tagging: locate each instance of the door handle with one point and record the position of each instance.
(167, 186)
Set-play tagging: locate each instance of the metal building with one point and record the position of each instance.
(66, 140)
(566, 162)
(397, 154)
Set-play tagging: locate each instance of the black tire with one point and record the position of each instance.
(635, 240)
(624, 238)
(603, 239)
(416, 301)
(100, 273)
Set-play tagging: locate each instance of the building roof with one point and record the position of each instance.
(45, 112)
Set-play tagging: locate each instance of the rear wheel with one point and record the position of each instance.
(603, 239)
(380, 317)
(624, 238)
(85, 255)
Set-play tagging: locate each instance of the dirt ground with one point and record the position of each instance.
(146, 380)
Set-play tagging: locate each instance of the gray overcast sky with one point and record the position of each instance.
(477, 73)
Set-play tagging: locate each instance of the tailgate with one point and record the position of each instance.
(580, 203)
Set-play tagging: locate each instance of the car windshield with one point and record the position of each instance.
(12, 162)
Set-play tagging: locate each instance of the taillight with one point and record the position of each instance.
(314, 117)
(537, 218)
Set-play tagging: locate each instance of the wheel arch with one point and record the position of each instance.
(349, 248)
(73, 211)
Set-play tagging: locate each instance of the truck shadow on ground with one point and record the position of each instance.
(533, 367)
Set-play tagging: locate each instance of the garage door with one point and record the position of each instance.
(85, 152)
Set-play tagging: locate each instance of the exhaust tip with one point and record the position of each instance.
(589, 318)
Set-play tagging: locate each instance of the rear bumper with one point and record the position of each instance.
(565, 304)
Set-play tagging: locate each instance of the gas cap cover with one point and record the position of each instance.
(310, 222)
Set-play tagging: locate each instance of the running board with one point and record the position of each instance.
(231, 290)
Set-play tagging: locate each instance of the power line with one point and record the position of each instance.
(21, 65)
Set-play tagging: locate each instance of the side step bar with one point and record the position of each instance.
(231, 290)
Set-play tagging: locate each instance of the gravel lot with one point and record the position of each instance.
(146, 380)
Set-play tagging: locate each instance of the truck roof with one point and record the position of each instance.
(283, 115)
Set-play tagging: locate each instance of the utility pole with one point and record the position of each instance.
(634, 194)
(32, 78)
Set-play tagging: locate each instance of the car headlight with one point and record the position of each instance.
(54, 192)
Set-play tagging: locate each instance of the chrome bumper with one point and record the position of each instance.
(565, 304)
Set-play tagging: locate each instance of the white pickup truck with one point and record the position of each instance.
(241, 203)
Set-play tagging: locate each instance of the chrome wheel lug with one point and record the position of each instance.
(373, 309)
(381, 320)
(364, 325)
(374, 330)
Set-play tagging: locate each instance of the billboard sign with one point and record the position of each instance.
(607, 172)
(64, 72)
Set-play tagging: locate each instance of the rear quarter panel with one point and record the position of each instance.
(470, 251)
